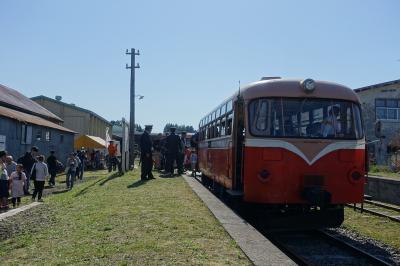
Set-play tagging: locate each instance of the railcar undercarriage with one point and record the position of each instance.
(280, 216)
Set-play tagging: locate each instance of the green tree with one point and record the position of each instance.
(179, 128)
(138, 128)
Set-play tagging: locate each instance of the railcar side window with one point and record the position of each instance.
(217, 128)
(218, 113)
(223, 110)
(305, 118)
(229, 124)
(229, 106)
(223, 127)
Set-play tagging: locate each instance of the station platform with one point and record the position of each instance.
(384, 177)
(256, 247)
(384, 189)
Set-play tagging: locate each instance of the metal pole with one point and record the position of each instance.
(132, 53)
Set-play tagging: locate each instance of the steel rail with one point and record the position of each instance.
(380, 214)
(355, 250)
(383, 205)
(333, 240)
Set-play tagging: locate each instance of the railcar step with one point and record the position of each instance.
(235, 193)
(367, 197)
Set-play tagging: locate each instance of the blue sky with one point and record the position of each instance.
(192, 52)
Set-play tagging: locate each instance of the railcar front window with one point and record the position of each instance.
(305, 118)
(266, 117)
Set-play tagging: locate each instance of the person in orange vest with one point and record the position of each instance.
(112, 158)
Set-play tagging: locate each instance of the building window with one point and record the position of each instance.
(39, 135)
(48, 135)
(387, 109)
(61, 138)
(381, 113)
(26, 134)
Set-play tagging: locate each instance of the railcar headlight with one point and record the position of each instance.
(263, 175)
(355, 176)
(308, 85)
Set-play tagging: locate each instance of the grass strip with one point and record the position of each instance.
(378, 228)
(121, 220)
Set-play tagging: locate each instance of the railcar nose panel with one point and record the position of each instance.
(276, 171)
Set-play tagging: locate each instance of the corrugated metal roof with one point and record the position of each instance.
(15, 100)
(31, 119)
(71, 106)
(379, 85)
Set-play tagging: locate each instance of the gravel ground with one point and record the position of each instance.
(380, 250)
(31, 220)
(36, 218)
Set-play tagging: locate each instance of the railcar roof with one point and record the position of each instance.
(292, 88)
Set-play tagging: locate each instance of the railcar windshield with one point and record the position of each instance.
(305, 118)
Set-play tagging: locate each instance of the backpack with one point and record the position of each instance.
(60, 167)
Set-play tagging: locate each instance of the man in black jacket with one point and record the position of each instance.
(146, 153)
(52, 166)
(172, 144)
(181, 152)
(27, 161)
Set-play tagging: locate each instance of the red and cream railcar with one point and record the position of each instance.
(289, 143)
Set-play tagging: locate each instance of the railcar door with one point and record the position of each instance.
(238, 140)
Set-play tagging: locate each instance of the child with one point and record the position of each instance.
(17, 179)
(193, 160)
(3, 186)
(41, 173)
(71, 170)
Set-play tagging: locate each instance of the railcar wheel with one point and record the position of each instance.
(205, 180)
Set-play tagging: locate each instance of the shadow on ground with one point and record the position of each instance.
(138, 183)
(60, 191)
(83, 191)
(111, 177)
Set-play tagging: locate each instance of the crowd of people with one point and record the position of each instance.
(175, 154)
(16, 176)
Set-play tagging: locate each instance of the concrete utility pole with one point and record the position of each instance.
(132, 53)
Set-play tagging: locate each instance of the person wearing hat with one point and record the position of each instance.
(181, 152)
(163, 152)
(146, 153)
(172, 144)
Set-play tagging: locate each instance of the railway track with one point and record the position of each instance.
(318, 247)
(379, 209)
